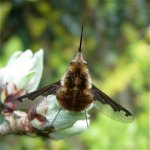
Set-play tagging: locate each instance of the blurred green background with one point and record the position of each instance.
(116, 45)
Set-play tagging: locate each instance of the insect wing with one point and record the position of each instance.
(34, 98)
(109, 107)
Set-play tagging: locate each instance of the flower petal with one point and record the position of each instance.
(78, 127)
(24, 70)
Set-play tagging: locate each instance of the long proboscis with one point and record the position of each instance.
(80, 46)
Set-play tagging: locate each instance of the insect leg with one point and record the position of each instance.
(86, 119)
(56, 115)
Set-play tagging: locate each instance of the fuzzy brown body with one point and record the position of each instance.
(74, 94)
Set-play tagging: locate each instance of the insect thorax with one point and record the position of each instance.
(74, 95)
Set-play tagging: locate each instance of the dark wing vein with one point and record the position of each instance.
(109, 107)
(29, 100)
(45, 91)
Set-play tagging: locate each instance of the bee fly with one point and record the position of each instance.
(76, 92)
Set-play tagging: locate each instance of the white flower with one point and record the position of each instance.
(22, 73)
(24, 69)
(78, 127)
(65, 123)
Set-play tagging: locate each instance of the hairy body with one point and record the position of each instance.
(74, 94)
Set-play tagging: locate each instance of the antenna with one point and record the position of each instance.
(80, 49)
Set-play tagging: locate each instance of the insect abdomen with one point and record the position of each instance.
(74, 100)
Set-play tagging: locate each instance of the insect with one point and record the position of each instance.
(76, 92)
